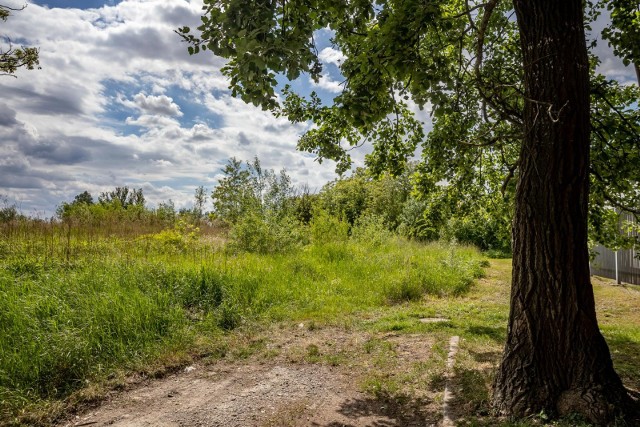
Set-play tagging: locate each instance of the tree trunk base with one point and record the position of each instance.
(600, 406)
(592, 404)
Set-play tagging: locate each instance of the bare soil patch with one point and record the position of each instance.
(299, 377)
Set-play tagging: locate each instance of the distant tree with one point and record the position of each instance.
(346, 198)
(235, 193)
(8, 211)
(200, 198)
(279, 194)
(83, 198)
(166, 211)
(303, 204)
(136, 198)
(252, 189)
(124, 196)
(12, 58)
(387, 197)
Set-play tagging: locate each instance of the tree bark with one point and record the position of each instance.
(555, 358)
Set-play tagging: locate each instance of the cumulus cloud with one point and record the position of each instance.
(327, 83)
(151, 104)
(330, 55)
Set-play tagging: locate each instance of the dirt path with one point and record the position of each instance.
(285, 390)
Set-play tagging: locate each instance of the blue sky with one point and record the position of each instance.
(120, 102)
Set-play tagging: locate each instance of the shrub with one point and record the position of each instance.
(328, 228)
(487, 232)
(255, 234)
(178, 239)
(370, 230)
(413, 223)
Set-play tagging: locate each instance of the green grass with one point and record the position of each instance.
(79, 315)
(479, 316)
(100, 307)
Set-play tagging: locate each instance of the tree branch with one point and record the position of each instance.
(616, 203)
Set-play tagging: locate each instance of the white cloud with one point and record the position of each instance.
(151, 121)
(327, 83)
(330, 55)
(161, 105)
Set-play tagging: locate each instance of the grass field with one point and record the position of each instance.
(80, 313)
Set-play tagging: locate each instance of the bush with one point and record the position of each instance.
(370, 230)
(413, 223)
(328, 228)
(487, 232)
(178, 239)
(255, 234)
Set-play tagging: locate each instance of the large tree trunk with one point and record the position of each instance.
(555, 358)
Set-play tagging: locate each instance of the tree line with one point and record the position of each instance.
(263, 211)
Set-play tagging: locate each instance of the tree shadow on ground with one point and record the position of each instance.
(472, 387)
(625, 353)
(497, 334)
(393, 411)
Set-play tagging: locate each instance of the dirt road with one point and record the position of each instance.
(286, 390)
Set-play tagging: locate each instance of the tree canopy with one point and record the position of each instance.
(461, 59)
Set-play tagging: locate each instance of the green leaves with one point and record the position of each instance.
(12, 58)
(623, 34)
(462, 60)
(388, 56)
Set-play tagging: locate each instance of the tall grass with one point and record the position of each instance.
(77, 314)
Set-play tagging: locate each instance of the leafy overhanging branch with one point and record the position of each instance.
(462, 57)
(12, 58)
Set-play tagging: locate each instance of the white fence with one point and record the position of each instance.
(623, 265)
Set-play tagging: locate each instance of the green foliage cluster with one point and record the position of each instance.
(180, 238)
(623, 34)
(8, 211)
(12, 58)
(254, 233)
(399, 205)
(123, 211)
(261, 208)
(265, 214)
